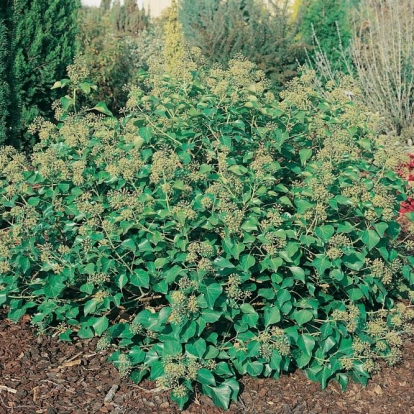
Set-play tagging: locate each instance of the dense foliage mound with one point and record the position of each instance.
(212, 232)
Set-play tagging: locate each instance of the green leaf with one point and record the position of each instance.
(298, 273)
(235, 387)
(205, 168)
(328, 344)
(87, 288)
(250, 224)
(285, 201)
(222, 263)
(223, 370)
(211, 353)
(60, 84)
(342, 380)
(3, 297)
(66, 102)
(18, 308)
(136, 355)
(85, 87)
(171, 274)
(56, 85)
(306, 343)
(326, 375)
(275, 361)
(302, 205)
(210, 316)
(33, 201)
(139, 278)
(304, 155)
(121, 280)
(205, 377)
(247, 261)
(354, 293)
(89, 269)
(211, 293)
(129, 244)
(254, 368)
(65, 335)
(302, 316)
(325, 232)
(268, 294)
(354, 261)
(85, 332)
(90, 306)
(221, 395)
(321, 263)
(180, 401)
(172, 348)
(138, 142)
(200, 346)
(345, 227)
(145, 133)
(100, 325)
(238, 169)
(101, 107)
(24, 263)
(381, 227)
(161, 262)
(250, 316)
(271, 315)
(247, 308)
(157, 368)
(283, 296)
(370, 238)
(272, 263)
(54, 286)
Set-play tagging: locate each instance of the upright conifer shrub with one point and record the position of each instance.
(242, 235)
(10, 98)
(41, 46)
(326, 26)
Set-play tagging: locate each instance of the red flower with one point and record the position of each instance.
(406, 171)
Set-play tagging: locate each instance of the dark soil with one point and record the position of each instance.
(45, 375)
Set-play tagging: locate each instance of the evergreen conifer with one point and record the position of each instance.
(37, 43)
(330, 22)
(45, 33)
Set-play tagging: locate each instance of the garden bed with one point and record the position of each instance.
(45, 375)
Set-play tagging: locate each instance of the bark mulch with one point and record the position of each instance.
(45, 375)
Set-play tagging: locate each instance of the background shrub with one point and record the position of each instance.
(4, 86)
(383, 52)
(39, 44)
(379, 59)
(263, 34)
(326, 26)
(106, 57)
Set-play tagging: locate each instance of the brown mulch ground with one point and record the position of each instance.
(45, 375)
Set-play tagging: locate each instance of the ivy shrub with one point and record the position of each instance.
(212, 232)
